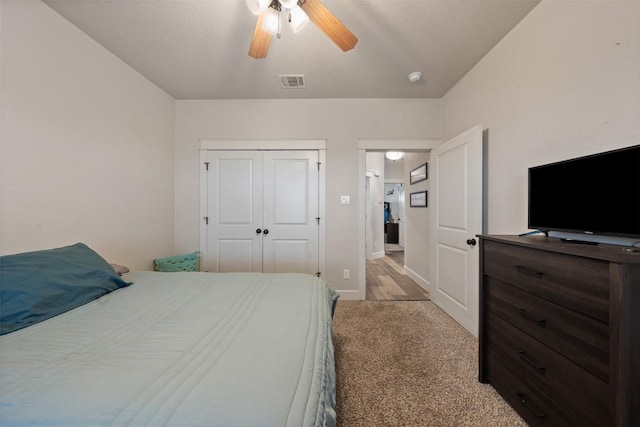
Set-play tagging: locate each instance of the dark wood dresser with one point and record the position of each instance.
(560, 330)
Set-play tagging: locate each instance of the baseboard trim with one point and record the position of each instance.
(424, 283)
(377, 255)
(349, 295)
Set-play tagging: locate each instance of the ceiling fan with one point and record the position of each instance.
(299, 13)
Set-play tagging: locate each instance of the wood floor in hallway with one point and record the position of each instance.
(386, 280)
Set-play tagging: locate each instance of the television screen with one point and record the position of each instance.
(598, 194)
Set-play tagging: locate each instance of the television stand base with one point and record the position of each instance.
(580, 242)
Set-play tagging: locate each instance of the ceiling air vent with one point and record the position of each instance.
(292, 81)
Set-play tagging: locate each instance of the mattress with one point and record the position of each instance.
(209, 349)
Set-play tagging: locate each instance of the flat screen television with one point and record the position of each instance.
(597, 194)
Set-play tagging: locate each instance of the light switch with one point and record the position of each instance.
(345, 200)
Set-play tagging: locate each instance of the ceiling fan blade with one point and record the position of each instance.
(260, 40)
(329, 24)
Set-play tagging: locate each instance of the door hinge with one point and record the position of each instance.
(206, 220)
(318, 274)
(318, 220)
(206, 165)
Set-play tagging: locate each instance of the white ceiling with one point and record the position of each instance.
(197, 49)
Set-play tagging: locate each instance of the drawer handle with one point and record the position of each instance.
(531, 361)
(535, 411)
(529, 271)
(524, 313)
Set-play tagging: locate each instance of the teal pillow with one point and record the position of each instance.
(36, 286)
(187, 262)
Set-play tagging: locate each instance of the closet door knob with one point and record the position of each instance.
(266, 231)
(471, 242)
(258, 231)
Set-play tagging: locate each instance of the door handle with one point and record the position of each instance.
(258, 231)
(265, 231)
(471, 242)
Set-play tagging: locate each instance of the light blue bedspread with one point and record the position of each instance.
(183, 349)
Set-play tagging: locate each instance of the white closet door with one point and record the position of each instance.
(290, 210)
(234, 211)
(260, 211)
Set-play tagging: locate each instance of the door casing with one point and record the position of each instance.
(365, 145)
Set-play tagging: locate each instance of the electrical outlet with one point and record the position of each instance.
(346, 273)
(345, 200)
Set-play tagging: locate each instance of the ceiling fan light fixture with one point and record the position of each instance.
(289, 4)
(271, 23)
(394, 155)
(298, 19)
(268, 23)
(258, 6)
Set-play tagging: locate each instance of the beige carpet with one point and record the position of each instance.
(406, 363)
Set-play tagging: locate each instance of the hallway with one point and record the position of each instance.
(386, 280)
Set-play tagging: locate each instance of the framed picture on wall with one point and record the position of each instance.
(418, 174)
(418, 199)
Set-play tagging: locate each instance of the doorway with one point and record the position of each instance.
(387, 275)
(463, 156)
(394, 215)
(407, 146)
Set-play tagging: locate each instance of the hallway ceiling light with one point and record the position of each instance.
(394, 155)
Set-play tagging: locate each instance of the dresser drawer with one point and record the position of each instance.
(561, 379)
(578, 283)
(580, 338)
(536, 407)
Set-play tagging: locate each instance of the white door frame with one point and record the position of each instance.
(367, 210)
(365, 145)
(270, 144)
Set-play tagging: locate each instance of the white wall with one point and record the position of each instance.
(342, 122)
(394, 169)
(417, 251)
(87, 144)
(564, 83)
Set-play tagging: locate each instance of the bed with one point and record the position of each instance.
(209, 349)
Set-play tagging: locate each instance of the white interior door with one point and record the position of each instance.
(233, 198)
(290, 212)
(260, 211)
(456, 195)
